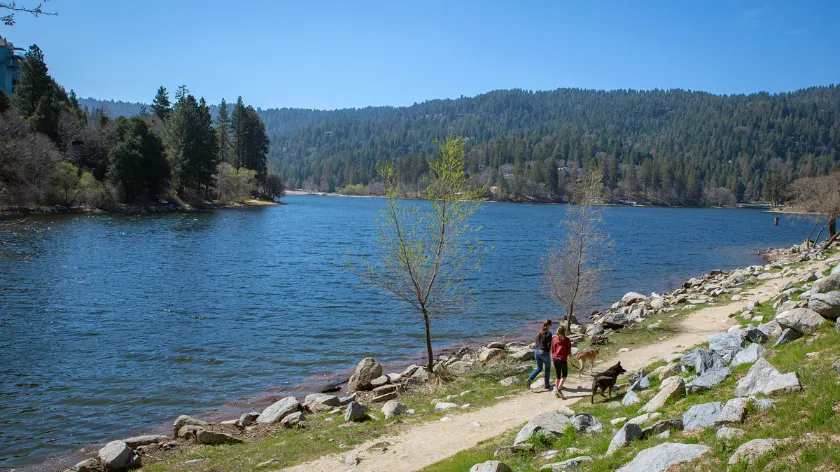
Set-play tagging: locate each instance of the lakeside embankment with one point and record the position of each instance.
(620, 326)
(123, 208)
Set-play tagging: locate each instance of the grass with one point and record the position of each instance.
(331, 434)
(795, 415)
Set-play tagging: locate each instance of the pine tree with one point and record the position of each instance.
(160, 105)
(237, 134)
(34, 83)
(223, 133)
(191, 143)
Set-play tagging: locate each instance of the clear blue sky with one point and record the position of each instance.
(357, 53)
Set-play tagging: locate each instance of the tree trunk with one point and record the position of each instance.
(431, 364)
(832, 227)
(830, 240)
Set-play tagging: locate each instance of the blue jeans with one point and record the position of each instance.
(543, 361)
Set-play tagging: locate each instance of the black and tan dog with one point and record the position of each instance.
(605, 380)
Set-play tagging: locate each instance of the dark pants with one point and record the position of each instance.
(543, 359)
(561, 368)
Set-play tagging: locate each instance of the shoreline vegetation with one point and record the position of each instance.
(468, 380)
(122, 208)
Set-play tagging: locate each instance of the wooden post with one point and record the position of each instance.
(775, 221)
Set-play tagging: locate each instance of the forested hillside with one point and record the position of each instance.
(670, 147)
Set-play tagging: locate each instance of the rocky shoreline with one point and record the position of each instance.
(370, 387)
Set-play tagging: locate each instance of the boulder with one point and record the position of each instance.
(497, 345)
(459, 367)
(749, 355)
(660, 458)
(279, 410)
(826, 304)
(117, 456)
(586, 423)
(385, 389)
(629, 432)
(515, 451)
(318, 402)
(491, 354)
(145, 440)
(754, 335)
(701, 360)
(247, 419)
(671, 390)
(787, 336)
(641, 384)
(765, 379)
(662, 426)
(751, 451)
(367, 370)
(509, 381)
(551, 422)
(630, 298)
(380, 381)
(87, 465)
(733, 411)
(567, 464)
(630, 398)
(826, 284)
(702, 416)
(801, 320)
(771, 328)
(642, 419)
(726, 433)
(385, 397)
(188, 431)
(355, 412)
(491, 466)
(522, 354)
(393, 408)
(211, 438)
(670, 370)
(769, 276)
(294, 420)
(708, 380)
(445, 405)
(726, 343)
(618, 320)
(185, 420)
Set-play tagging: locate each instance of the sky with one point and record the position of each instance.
(342, 54)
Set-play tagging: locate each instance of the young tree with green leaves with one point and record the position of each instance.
(425, 251)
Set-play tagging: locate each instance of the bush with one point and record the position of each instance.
(358, 190)
(234, 184)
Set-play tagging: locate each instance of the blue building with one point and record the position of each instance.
(9, 66)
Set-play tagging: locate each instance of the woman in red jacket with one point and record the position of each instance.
(561, 347)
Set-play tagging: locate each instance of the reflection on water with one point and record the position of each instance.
(111, 324)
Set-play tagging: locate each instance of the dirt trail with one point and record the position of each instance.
(428, 443)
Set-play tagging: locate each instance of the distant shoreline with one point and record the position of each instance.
(123, 209)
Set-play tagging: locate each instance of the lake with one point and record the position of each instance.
(113, 324)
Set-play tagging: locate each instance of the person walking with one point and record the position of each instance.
(542, 355)
(561, 347)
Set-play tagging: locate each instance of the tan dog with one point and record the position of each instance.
(585, 358)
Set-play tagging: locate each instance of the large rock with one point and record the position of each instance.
(367, 370)
(708, 380)
(515, 451)
(87, 465)
(787, 335)
(318, 402)
(491, 466)
(185, 420)
(701, 360)
(726, 343)
(702, 416)
(749, 355)
(355, 412)
(801, 320)
(630, 398)
(670, 370)
(618, 320)
(751, 451)
(765, 379)
(279, 410)
(826, 304)
(630, 298)
(117, 456)
(459, 367)
(733, 412)
(137, 441)
(247, 419)
(522, 354)
(509, 381)
(567, 464)
(661, 426)
(754, 335)
(726, 433)
(549, 421)
(826, 284)
(629, 432)
(211, 437)
(660, 458)
(491, 354)
(586, 423)
(393, 408)
(670, 390)
(771, 328)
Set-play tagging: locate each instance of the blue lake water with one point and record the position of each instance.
(110, 324)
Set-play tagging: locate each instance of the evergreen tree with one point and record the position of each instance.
(5, 103)
(137, 164)
(238, 134)
(223, 133)
(34, 83)
(161, 105)
(191, 146)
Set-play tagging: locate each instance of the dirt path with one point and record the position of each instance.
(428, 443)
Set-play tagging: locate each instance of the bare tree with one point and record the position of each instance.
(13, 7)
(425, 251)
(719, 197)
(819, 196)
(573, 266)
